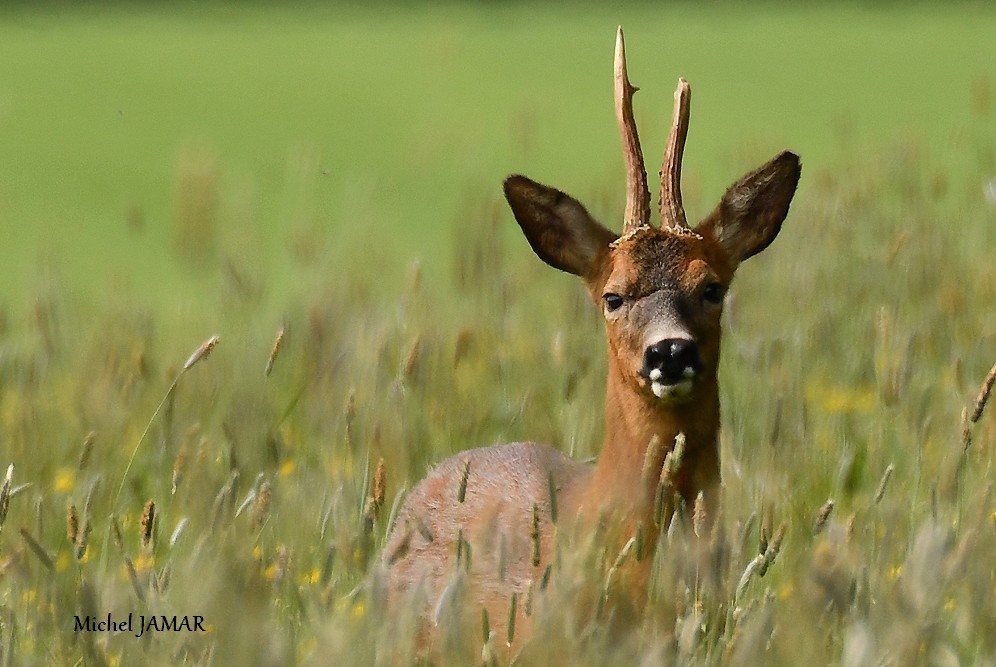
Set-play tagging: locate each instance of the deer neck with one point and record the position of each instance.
(625, 478)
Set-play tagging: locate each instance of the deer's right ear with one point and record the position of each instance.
(752, 210)
(557, 226)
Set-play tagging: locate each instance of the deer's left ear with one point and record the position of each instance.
(750, 215)
(557, 226)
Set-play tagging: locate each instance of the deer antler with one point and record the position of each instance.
(637, 195)
(672, 211)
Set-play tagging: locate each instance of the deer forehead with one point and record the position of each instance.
(652, 259)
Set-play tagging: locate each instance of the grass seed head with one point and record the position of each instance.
(822, 516)
(983, 397)
(147, 523)
(83, 537)
(261, 509)
(535, 535)
(884, 482)
(5, 494)
(179, 466)
(513, 608)
(72, 523)
(86, 449)
(37, 549)
(551, 488)
(650, 458)
(380, 483)
(699, 517)
(672, 461)
(462, 491)
(274, 351)
(966, 430)
(116, 534)
(202, 352)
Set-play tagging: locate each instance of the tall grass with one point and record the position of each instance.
(262, 483)
(859, 522)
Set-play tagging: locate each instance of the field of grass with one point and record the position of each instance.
(333, 174)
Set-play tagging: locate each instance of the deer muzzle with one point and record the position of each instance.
(671, 365)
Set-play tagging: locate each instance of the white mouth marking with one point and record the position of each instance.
(656, 374)
(667, 391)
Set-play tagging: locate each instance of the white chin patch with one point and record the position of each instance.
(671, 391)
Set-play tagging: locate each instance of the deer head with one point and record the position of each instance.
(660, 289)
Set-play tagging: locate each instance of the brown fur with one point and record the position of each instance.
(663, 276)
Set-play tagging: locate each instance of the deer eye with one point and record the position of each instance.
(612, 301)
(713, 293)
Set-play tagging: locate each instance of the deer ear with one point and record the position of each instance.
(559, 229)
(750, 215)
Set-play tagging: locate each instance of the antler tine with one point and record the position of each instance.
(672, 211)
(637, 195)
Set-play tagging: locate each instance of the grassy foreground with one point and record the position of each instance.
(855, 349)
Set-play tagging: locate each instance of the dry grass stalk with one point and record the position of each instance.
(822, 516)
(464, 340)
(618, 563)
(261, 509)
(535, 536)
(222, 500)
(77, 534)
(147, 523)
(966, 431)
(196, 207)
(512, 612)
(485, 625)
(380, 483)
(699, 518)
(772, 550)
(759, 565)
(274, 351)
(280, 571)
(650, 458)
(83, 538)
(129, 565)
(412, 358)
(464, 552)
(545, 579)
(401, 550)
(202, 352)
(672, 461)
(983, 397)
(884, 482)
(116, 534)
(462, 491)
(72, 524)
(133, 578)
(37, 549)
(423, 529)
(5, 494)
(164, 578)
(350, 414)
(86, 449)
(178, 530)
(551, 487)
(179, 466)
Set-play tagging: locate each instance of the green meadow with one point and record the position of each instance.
(331, 175)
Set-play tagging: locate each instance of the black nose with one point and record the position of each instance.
(674, 359)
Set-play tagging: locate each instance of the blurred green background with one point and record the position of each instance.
(311, 132)
(333, 172)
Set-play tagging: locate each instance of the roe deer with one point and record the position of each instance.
(661, 291)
